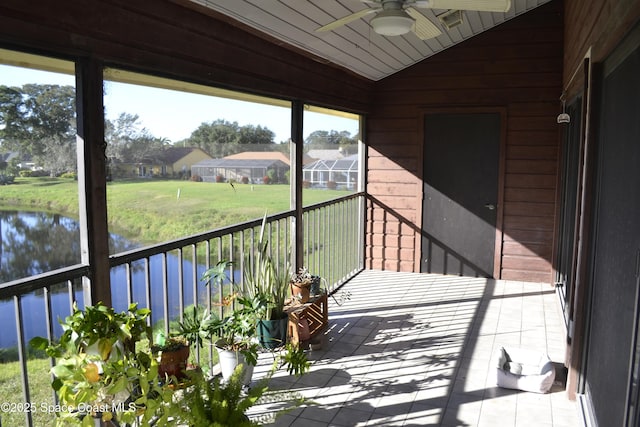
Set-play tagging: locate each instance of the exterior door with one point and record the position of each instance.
(460, 206)
(611, 379)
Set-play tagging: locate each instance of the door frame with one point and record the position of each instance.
(502, 111)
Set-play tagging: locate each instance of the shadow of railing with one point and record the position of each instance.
(386, 226)
(393, 357)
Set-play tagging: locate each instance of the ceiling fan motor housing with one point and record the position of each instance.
(392, 20)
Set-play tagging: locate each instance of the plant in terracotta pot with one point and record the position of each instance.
(267, 283)
(173, 353)
(301, 285)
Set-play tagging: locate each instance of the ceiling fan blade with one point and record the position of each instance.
(349, 18)
(479, 5)
(423, 27)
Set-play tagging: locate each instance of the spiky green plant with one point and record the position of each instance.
(265, 280)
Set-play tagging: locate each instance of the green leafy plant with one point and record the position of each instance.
(211, 402)
(237, 331)
(104, 368)
(124, 386)
(265, 281)
(194, 326)
(98, 327)
(217, 274)
(170, 344)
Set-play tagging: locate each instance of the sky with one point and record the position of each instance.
(174, 115)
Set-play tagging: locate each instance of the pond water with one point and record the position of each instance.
(37, 242)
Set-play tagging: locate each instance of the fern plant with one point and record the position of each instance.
(213, 402)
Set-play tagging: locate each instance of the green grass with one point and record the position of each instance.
(154, 211)
(39, 385)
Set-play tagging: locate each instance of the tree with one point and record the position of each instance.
(40, 120)
(221, 138)
(322, 139)
(251, 134)
(129, 142)
(11, 115)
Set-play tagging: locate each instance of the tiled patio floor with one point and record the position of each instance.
(417, 350)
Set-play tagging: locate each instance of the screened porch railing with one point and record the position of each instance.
(166, 278)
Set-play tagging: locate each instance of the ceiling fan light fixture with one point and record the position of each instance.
(392, 23)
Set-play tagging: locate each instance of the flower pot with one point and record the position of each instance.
(315, 285)
(174, 363)
(229, 359)
(300, 293)
(272, 333)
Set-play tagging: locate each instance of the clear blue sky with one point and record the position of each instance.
(174, 115)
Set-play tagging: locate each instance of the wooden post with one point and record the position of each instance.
(297, 146)
(92, 182)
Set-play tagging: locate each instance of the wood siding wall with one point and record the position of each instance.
(517, 66)
(600, 26)
(171, 40)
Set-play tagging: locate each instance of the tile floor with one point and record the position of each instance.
(417, 350)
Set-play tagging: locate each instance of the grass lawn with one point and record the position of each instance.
(11, 393)
(153, 211)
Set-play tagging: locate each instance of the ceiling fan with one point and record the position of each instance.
(397, 17)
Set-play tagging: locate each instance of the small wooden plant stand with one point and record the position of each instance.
(315, 312)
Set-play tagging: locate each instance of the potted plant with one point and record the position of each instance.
(173, 354)
(208, 402)
(99, 331)
(236, 332)
(193, 326)
(267, 283)
(103, 368)
(316, 286)
(301, 285)
(211, 402)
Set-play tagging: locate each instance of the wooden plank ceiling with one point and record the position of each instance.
(356, 46)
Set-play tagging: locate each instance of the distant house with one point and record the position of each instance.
(172, 162)
(24, 160)
(178, 160)
(6, 157)
(340, 173)
(241, 170)
(268, 155)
